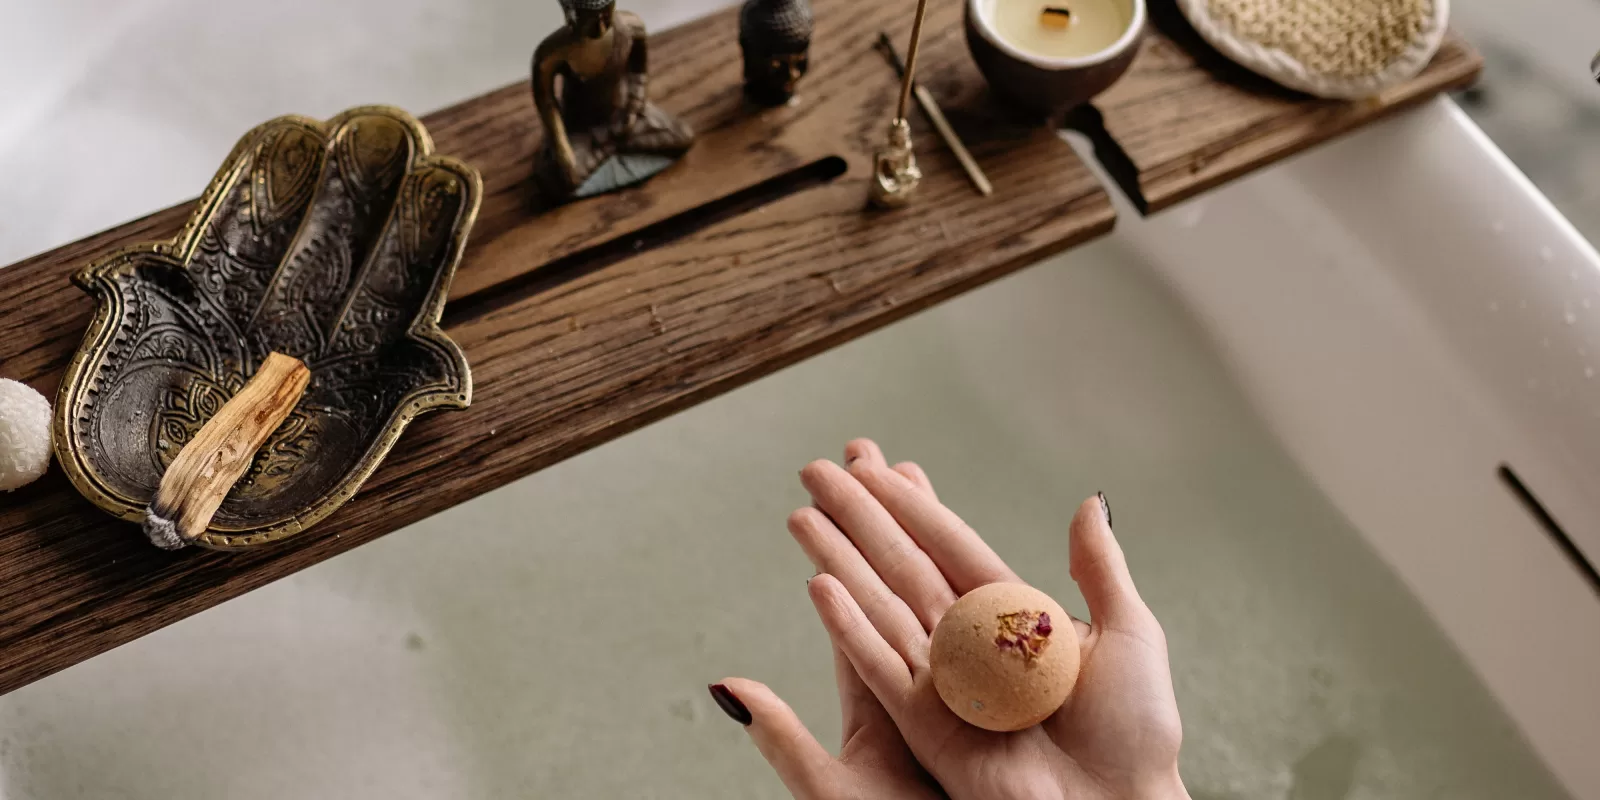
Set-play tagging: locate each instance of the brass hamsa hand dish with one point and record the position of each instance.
(332, 242)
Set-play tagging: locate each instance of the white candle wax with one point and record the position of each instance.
(1061, 28)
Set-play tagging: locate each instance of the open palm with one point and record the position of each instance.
(891, 560)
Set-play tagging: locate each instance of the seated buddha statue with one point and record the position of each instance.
(590, 82)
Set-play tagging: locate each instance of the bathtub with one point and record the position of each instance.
(1305, 395)
(1420, 330)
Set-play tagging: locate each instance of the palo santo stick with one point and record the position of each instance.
(207, 468)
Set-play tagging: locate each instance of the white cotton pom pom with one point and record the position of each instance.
(24, 435)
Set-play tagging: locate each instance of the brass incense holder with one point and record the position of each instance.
(895, 175)
(332, 243)
(935, 114)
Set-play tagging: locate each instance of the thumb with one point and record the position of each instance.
(1101, 571)
(803, 765)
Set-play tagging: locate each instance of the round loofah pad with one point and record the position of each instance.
(1344, 49)
(24, 435)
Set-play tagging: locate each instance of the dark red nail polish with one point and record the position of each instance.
(729, 704)
(1105, 507)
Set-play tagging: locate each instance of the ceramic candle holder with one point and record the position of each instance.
(1050, 85)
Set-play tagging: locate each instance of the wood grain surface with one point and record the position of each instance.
(1186, 119)
(586, 321)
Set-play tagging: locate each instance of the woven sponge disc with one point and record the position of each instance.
(1329, 48)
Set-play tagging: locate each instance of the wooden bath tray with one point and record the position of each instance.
(587, 321)
(1185, 119)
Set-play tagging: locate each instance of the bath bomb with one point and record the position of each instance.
(1004, 657)
(24, 435)
(1343, 49)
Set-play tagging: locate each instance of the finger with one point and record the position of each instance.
(897, 559)
(801, 763)
(830, 551)
(858, 706)
(953, 547)
(918, 478)
(1101, 571)
(1082, 628)
(863, 450)
(879, 666)
(868, 450)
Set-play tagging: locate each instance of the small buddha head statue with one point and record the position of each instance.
(776, 37)
(590, 18)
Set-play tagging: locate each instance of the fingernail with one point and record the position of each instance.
(1105, 507)
(729, 704)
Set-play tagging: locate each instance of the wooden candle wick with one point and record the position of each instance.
(194, 487)
(1057, 17)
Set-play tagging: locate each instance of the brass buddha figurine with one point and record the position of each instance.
(775, 36)
(602, 133)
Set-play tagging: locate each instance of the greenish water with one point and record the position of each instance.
(553, 639)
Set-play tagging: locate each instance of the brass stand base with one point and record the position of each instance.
(895, 175)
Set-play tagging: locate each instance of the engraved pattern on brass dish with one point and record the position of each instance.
(333, 242)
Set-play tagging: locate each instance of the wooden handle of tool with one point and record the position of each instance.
(194, 487)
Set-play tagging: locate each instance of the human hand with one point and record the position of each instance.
(874, 761)
(892, 559)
